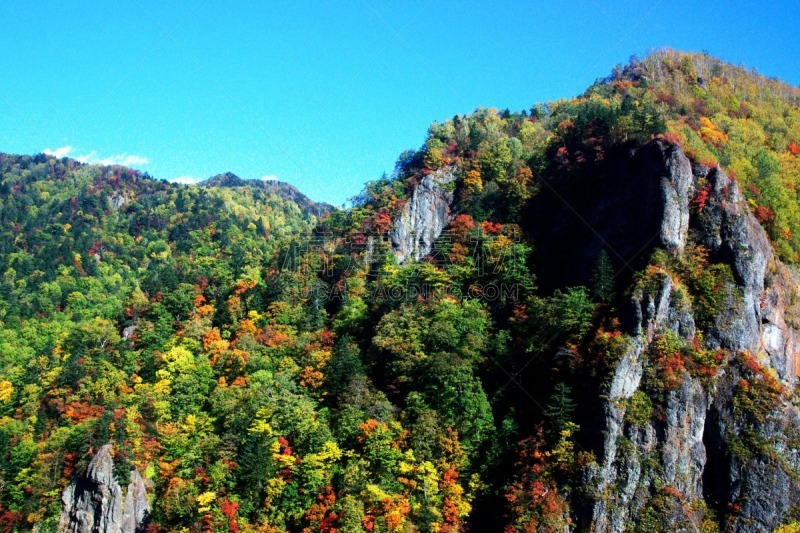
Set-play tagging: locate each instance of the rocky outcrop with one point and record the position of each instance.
(675, 444)
(676, 184)
(686, 451)
(424, 217)
(94, 502)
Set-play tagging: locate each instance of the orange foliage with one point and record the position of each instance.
(394, 510)
(244, 285)
(80, 412)
(564, 126)
(458, 252)
(199, 300)
(711, 133)
(246, 327)
(473, 180)
(369, 427)
(210, 338)
(311, 377)
(205, 310)
(462, 225)
(239, 382)
(320, 514)
(273, 338)
(215, 345)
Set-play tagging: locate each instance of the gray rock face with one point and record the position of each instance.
(676, 443)
(687, 447)
(424, 217)
(730, 232)
(117, 200)
(676, 185)
(94, 503)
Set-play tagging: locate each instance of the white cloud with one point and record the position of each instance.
(58, 152)
(127, 160)
(270, 177)
(190, 180)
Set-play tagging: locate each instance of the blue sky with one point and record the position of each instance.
(325, 95)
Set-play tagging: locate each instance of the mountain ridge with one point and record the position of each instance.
(578, 317)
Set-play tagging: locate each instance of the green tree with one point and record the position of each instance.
(602, 280)
(559, 409)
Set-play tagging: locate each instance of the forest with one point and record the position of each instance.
(268, 365)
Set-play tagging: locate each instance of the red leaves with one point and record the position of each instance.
(449, 478)
(285, 448)
(701, 198)
(673, 368)
(450, 511)
(562, 155)
(534, 501)
(230, 510)
(565, 126)
(327, 337)
(10, 521)
(665, 98)
(751, 363)
(764, 214)
(492, 227)
(793, 148)
(381, 222)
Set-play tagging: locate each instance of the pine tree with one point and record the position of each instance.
(602, 280)
(559, 409)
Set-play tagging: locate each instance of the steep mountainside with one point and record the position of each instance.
(581, 317)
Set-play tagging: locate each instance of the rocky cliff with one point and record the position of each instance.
(722, 439)
(424, 217)
(95, 502)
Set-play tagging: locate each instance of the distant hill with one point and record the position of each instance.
(290, 192)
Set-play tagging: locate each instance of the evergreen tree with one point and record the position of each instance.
(602, 280)
(559, 409)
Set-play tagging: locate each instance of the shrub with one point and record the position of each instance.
(640, 409)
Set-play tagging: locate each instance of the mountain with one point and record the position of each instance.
(285, 190)
(580, 317)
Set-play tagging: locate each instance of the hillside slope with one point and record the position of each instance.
(578, 317)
